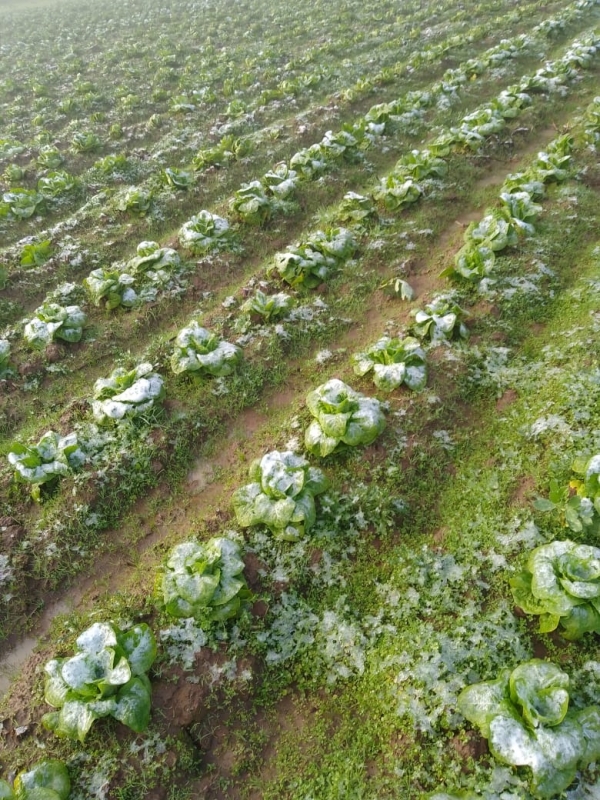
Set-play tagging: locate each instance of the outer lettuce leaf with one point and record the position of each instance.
(393, 362)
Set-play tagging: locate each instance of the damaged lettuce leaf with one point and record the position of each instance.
(46, 780)
(52, 321)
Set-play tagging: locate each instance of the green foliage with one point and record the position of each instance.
(524, 715)
(46, 780)
(342, 417)
(53, 321)
(281, 495)
(199, 351)
(561, 585)
(397, 192)
(36, 253)
(229, 149)
(127, 393)
(398, 287)
(51, 458)
(204, 580)
(106, 677)
(393, 362)
(205, 233)
(441, 319)
(50, 157)
(310, 263)
(253, 203)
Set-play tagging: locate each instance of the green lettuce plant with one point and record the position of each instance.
(204, 580)
(311, 262)
(421, 164)
(49, 157)
(281, 495)
(134, 199)
(111, 286)
(178, 178)
(36, 253)
(472, 262)
(493, 230)
(85, 142)
(22, 203)
(397, 192)
(56, 184)
(253, 204)
(127, 393)
(267, 307)
(521, 209)
(356, 208)
(53, 457)
(152, 259)
(200, 351)
(441, 319)
(281, 181)
(525, 717)
(393, 362)
(53, 321)
(342, 417)
(398, 287)
(561, 585)
(107, 676)
(229, 149)
(46, 780)
(205, 233)
(309, 161)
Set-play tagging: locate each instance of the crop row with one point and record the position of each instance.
(84, 515)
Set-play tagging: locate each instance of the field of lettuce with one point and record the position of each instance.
(299, 400)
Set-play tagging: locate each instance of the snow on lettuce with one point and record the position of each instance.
(524, 715)
(107, 676)
(126, 393)
(46, 780)
(52, 321)
(205, 233)
(51, 458)
(281, 496)
(393, 362)
(561, 585)
(204, 580)
(200, 351)
(342, 417)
